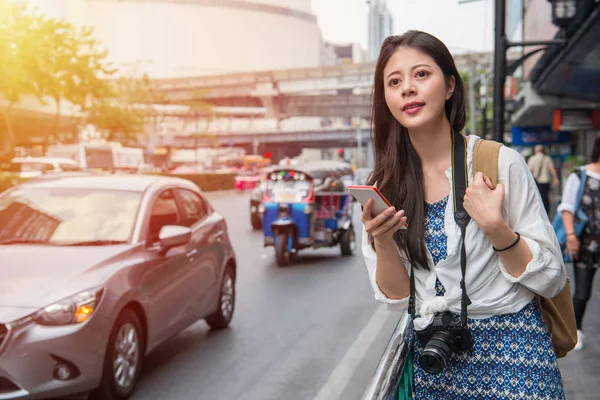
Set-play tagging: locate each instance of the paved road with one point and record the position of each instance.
(292, 327)
(299, 332)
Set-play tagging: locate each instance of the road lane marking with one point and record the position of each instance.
(341, 375)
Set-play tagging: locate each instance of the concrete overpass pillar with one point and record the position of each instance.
(268, 93)
(273, 107)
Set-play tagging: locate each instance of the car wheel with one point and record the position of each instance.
(123, 358)
(221, 318)
(282, 254)
(347, 242)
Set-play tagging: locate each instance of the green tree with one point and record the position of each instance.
(48, 58)
(74, 67)
(17, 50)
(134, 104)
(123, 114)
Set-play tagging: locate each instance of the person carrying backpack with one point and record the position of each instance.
(470, 267)
(583, 250)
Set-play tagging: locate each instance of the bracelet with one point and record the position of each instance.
(571, 234)
(509, 247)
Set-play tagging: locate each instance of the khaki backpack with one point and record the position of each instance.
(558, 311)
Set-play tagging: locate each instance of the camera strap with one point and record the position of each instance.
(462, 218)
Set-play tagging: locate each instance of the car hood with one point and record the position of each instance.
(36, 276)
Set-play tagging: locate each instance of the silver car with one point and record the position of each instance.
(96, 271)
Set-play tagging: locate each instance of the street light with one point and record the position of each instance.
(563, 12)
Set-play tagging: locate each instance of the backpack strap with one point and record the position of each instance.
(582, 182)
(485, 159)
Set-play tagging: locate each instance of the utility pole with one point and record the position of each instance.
(483, 93)
(472, 73)
(499, 70)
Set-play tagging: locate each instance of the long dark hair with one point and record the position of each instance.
(596, 149)
(398, 173)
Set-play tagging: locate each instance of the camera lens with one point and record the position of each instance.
(437, 352)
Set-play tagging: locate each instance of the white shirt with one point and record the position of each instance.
(539, 165)
(492, 290)
(571, 190)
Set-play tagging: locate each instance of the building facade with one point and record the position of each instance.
(559, 96)
(177, 38)
(351, 53)
(381, 25)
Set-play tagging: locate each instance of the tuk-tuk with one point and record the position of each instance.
(307, 206)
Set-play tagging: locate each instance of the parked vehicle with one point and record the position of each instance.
(246, 182)
(99, 270)
(307, 206)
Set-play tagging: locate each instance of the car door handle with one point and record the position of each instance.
(191, 253)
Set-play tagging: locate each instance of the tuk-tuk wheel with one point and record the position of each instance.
(256, 221)
(282, 253)
(347, 242)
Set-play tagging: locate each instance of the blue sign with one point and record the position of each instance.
(532, 135)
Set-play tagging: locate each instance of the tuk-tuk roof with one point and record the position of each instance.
(320, 169)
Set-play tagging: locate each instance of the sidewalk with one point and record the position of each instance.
(581, 369)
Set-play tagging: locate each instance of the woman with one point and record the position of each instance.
(585, 251)
(418, 102)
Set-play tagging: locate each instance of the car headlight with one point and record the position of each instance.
(72, 310)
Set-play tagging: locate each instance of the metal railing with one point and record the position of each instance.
(385, 380)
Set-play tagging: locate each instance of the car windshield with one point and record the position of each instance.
(61, 216)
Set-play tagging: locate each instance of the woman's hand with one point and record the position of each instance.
(572, 247)
(483, 204)
(383, 226)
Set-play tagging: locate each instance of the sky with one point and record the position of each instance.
(462, 27)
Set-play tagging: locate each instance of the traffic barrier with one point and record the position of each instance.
(207, 182)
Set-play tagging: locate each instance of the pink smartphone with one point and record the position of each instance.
(363, 193)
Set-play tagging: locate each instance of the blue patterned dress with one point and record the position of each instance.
(512, 357)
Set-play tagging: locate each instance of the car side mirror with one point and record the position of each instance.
(172, 236)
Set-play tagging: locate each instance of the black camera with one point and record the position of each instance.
(445, 335)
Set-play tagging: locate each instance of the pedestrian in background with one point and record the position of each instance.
(584, 250)
(418, 104)
(542, 168)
